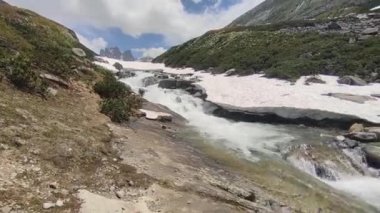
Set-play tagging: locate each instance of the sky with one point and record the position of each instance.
(147, 27)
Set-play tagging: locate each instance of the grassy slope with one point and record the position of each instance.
(47, 44)
(274, 11)
(287, 56)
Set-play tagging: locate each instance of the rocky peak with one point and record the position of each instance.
(128, 56)
(115, 53)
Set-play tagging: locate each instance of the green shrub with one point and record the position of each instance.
(117, 109)
(119, 103)
(109, 87)
(21, 75)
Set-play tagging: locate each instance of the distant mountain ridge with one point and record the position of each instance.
(274, 11)
(115, 53)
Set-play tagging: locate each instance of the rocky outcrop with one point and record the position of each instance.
(285, 115)
(314, 80)
(79, 52)
(175, 84)
(55, 80)
(149, 81)
(111, 52)
(125, 74)
(128, 56)
(364, 137)
(159, 116)
(352, 80)
(321, 161)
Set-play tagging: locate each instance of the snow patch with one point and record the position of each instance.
(258, 91)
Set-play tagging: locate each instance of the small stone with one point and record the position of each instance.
(120, 194)
(53, 185)
(52, 91)
(19, 142)
(188, 202)
(131, 183)
(356, 128)
(48, 205)
(59, 203)
(340, 138)
(164, 127)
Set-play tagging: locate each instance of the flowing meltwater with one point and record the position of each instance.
(249, 139)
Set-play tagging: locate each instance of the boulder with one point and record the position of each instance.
(149, 81)
(356, 128)
(161, 76)
(159, 116)
(370, 31)
(125, 74)
(142, 92)
(79, 52)
(175, 84)
(56, 80)
(352, 80)
(315, 80)
(197, 90)
(372, 155)
(375, 130)
(364, 137)
(334, 26)
(230, 72)
(320, 161)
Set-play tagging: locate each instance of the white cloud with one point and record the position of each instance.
(166, 17)
(95, 44)
(150, 52)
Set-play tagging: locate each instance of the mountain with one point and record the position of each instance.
(274, 11)
(341, 45)
(115, 53)
(128, 56)
(111, 52)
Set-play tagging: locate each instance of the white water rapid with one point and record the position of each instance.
(247, 138)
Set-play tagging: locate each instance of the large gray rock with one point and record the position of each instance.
(375, 130)
(56, 80)
(364, 137)
(314, 80)
(197, 91)
(373, 155)
(334, 26)
(370, 31)
(230, 72)
(352, 80)
(149, 81)
(125, 74)
(175, 84)
(79, 52)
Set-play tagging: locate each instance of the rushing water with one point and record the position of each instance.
(249, 139)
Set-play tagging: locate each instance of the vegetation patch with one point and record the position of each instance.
(119, 102)
(278, 54)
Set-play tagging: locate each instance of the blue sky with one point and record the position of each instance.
(116, 37)
(147, 27)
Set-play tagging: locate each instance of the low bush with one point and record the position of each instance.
(109, 87)
(20, 74)
(119, 102)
